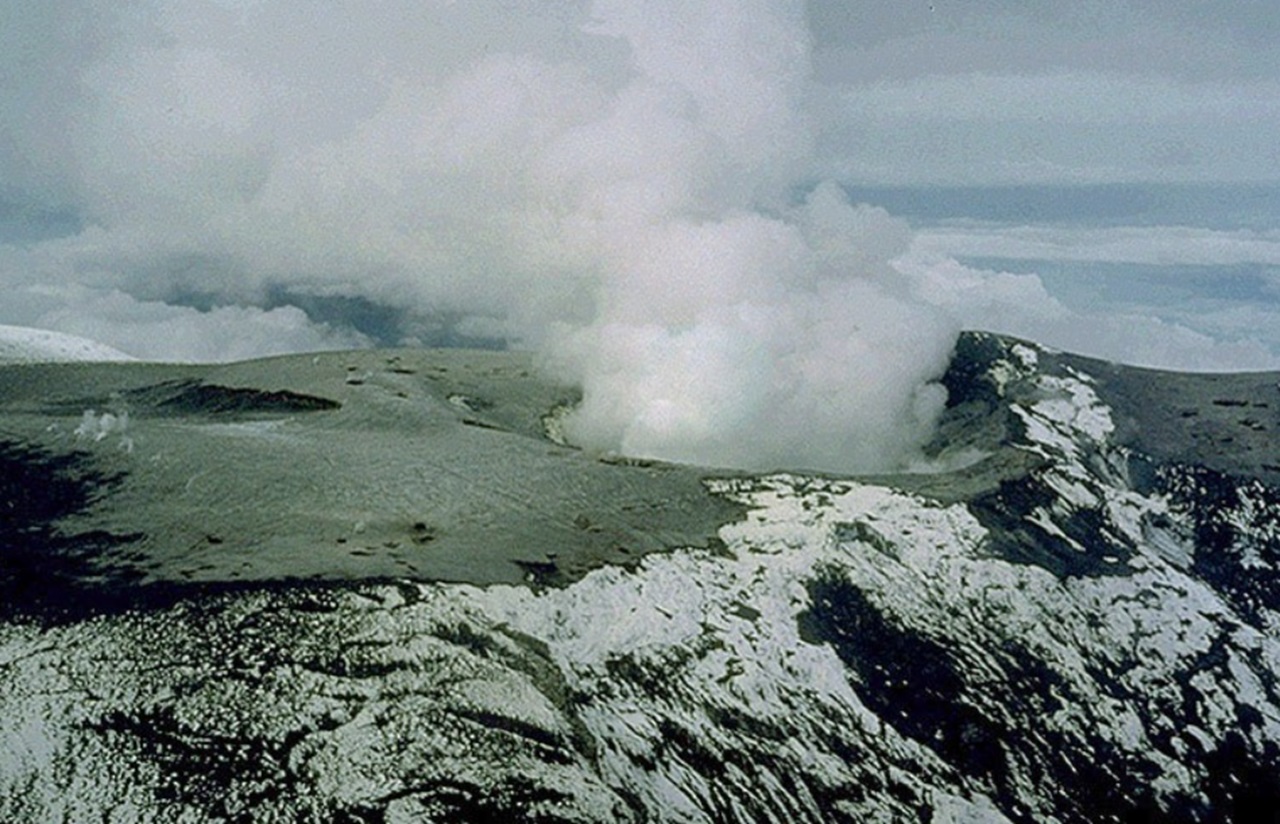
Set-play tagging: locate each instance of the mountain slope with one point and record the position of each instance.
(1075, 623)
(352, 465)
(20, 344)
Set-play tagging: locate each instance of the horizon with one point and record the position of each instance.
(714, 217)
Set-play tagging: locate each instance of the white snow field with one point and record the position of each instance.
(1079, 627)
(22, 344)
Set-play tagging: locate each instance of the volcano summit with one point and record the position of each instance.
(372, 586)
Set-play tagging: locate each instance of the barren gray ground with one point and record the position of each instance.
(1074, 619)
(424, 464)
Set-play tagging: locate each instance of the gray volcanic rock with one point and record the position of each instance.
(358, 465)
(1073, 617)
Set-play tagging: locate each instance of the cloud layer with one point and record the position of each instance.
(626, 187)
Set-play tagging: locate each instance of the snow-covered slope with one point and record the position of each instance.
(20, 344)
(1067, 630)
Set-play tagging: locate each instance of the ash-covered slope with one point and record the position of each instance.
(1077, 622)
(353, 465)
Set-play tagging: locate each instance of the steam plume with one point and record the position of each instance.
(613, 184)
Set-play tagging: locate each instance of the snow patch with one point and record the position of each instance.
(20, 344)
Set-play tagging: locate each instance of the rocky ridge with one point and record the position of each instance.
(1061, 627)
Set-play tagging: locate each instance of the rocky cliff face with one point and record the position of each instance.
(1072, 618)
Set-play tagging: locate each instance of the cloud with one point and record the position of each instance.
(612, 183)
(1039, 91)
(1181, 39)
(158, 331)
(1218, 340)
(1248, 327)
(1049, 126)
(1155, 245)
(1175, 297)
(799, 334)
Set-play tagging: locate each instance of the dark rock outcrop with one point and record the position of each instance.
(1075, 621)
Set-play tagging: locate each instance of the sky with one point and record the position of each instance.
(674, 203)
(1094, 91)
